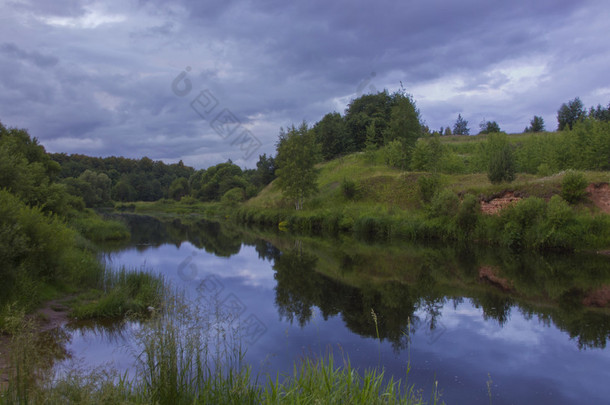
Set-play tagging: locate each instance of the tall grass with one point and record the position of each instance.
(122, 292)
(321, 381)
(96, 229)
(192, 355)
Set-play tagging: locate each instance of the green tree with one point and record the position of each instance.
(461, 126)
(331, 133)
(600, 113)
(489, 127)
(404, 124)
(448, 131)
(179, 188)
(123, 191)
(536, 125)
(212, 183)
(28, 172)
(372, 143)
(297, 154)
(361, 112)
(265, 170)
(570, 113)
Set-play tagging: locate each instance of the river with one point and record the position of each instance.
(481, 322)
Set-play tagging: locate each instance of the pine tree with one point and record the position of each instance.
(461, 126)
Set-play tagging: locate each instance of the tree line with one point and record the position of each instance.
(388, 129)
(99, 181)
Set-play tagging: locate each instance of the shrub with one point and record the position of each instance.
(444, 204)
(498, 153)
(427, 187)
(233, 197)
(349, 189)
(559, 212)
(573, 186)
(190, 200)
(527, 212)
(451, 163)
(394, 154)
(544, 169)
(502, 166)
(468, 214)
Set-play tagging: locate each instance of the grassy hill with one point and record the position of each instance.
(381, 186)
(360, 193)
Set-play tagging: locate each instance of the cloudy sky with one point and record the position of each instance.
(206, 81)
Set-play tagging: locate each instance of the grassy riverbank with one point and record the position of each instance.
(377, 202)
(46, 257)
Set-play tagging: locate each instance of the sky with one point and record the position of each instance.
(208, 81)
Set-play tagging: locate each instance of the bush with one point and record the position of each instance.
(498, 155)
(427, 187)
(349, 189)
(523, 223)
(37, 249)
(573, 186)
(189, 200)
(444, 204)
(544, 170)
(502, 166)
(559, 213)
(394, 154)
(468, 214)
(451, 163)
(233, 197)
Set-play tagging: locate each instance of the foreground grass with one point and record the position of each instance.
(192, 356)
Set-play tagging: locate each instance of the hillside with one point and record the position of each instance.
(363, 194)
(389, 188)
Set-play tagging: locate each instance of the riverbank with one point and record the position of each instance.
(376, 202)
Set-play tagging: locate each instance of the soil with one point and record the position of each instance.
(598, 298)
(599, 193)
(495, 205)
(52, 315)
(488, 274)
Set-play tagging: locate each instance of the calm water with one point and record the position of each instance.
(298, 296)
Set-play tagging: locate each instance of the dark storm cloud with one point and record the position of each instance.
(56, 8)
(40, 60)
(96, 77)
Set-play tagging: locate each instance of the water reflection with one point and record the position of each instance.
(458, 313)
(347, 278)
